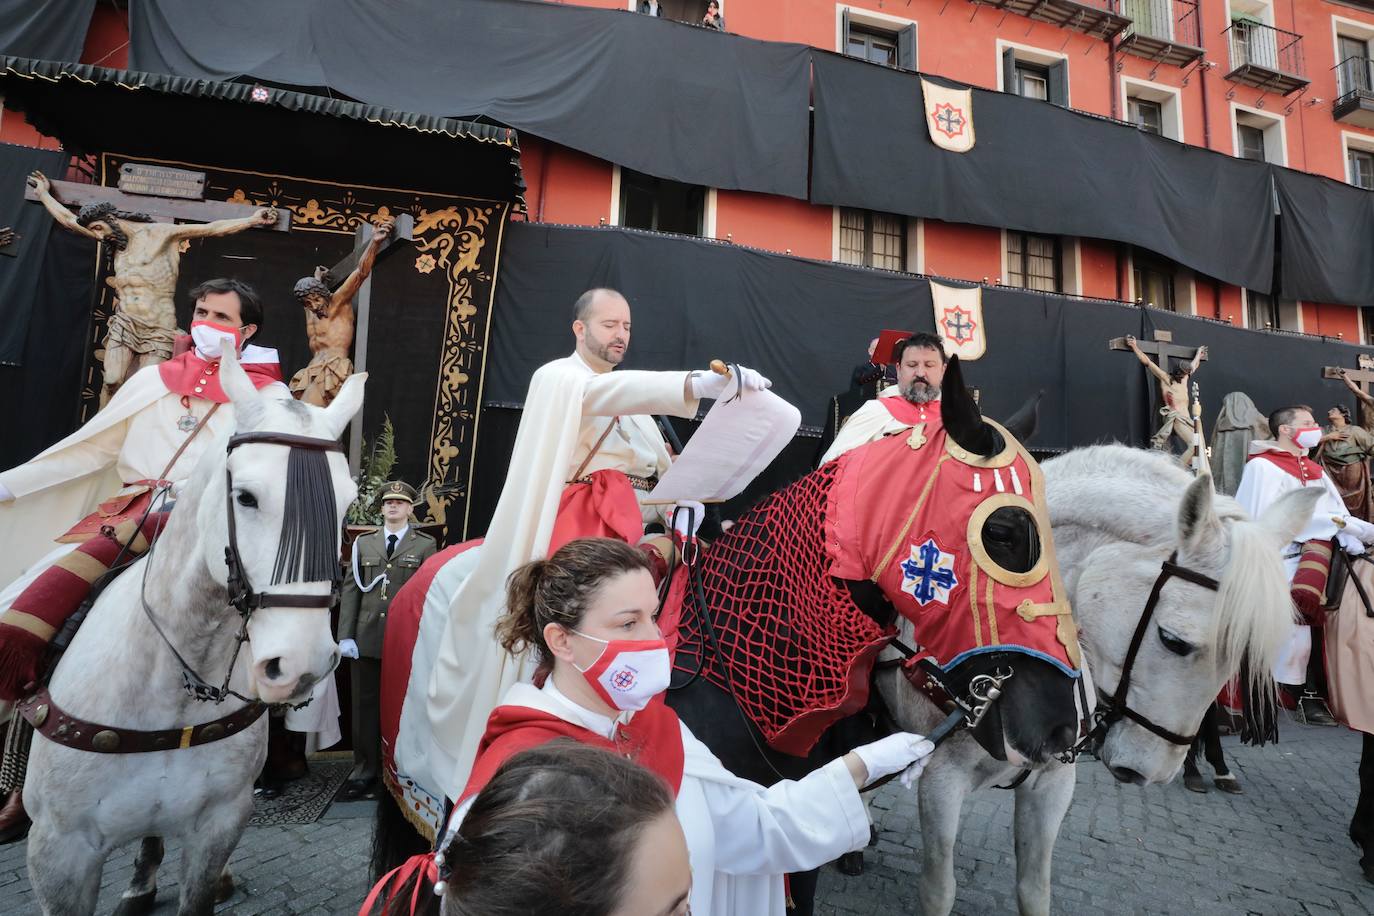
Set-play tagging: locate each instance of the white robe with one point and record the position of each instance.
(741, 837)
(471, 673)
(1261, 484)
(870, 423)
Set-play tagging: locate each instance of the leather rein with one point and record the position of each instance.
(1116, 706)
(54, 723)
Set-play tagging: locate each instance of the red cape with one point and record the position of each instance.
(194, 377)
(1299, 466)
(653, 739)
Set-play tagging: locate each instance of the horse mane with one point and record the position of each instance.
(307, 550)
(1128, 494)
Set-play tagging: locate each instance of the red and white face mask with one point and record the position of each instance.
(1307, 436)
(629, 672)
(209, 338)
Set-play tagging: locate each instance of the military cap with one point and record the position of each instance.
(398, 489)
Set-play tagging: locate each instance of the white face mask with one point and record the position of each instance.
(1308, 437)
(629, 673)
(209, 338)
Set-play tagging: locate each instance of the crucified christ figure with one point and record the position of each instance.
(1173, 390)
(147, 261)
(329, 322)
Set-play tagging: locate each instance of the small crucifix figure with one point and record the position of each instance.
(1173, 386)
(1357, 380)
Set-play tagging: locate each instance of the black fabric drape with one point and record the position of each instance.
(1038, 168)
(804, 323)
(40, 397)
(21, 263)
(50, 30)
(1327, 250)
(671, 100)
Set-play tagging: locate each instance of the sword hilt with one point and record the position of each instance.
(719, 368)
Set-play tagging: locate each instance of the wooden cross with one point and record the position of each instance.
(164, 209)
(362, 303)
(1162, 348)
(1361, 377)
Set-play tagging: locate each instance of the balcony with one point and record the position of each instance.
(1355, 83)
(1265, 57)
(1164, 31)
(1098, 18)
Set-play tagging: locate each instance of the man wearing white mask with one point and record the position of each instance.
(1275, 467)
(155, 428)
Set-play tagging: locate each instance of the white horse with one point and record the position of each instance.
(120, 672)
(1118, 514)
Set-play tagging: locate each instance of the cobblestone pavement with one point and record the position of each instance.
(1278, 850)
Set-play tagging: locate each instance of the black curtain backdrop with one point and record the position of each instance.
(47, 30)
(40, 397)
(1040, 168)
(668, 99)
(1327, 230)
(806, 323)
(21, 264)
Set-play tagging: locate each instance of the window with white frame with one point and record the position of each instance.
(1258, 136)
(1154, 280)
(678, 10)
(661, 204)
(1359, 159)
(872, 239)
(1153, 108)
(1035, 74)
(1265, 311)
(1353, 66)
(1035, 262)
(878, 38)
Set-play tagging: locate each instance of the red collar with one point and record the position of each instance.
(191, 376)
(1299, 466)
(653, 739)
(903, 411)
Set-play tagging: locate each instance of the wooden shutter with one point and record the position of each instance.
(844, 30)
(906, 48)
(1059, 83)
(1009, 82)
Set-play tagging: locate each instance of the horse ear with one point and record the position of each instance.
(239, 388)
(960, 415)
(1023, 424)
(1291, 512)
(345, 405)
(1198, 522)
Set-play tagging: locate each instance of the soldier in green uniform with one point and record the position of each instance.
(383, 561)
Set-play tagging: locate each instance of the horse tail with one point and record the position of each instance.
(394, 839)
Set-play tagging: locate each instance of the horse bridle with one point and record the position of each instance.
(241, 595)
(1116, 707)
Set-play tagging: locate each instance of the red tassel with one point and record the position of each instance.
(21, 655)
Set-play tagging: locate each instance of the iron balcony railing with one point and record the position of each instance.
(1354, 75)
(1170, 21)
(1255, 45)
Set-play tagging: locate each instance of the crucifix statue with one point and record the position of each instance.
(1173, 385)
(1357, 380)
(147, 261)
(330, 321)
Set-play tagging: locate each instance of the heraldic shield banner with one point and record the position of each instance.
(949, 116)
(959, 319)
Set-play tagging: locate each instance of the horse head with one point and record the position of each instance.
(1196, 637)
(974, 513)
(288, 504)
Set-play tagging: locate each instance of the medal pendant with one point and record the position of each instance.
(917, 437)
(187, 423)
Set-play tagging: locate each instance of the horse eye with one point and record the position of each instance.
(1174, 644)
(248, 500)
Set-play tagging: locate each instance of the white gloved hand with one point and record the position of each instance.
(710, 385)
(904, 752)
(1360, 528)
(348, 648)
(687, 515)
(5, 494)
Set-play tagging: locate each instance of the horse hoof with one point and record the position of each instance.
(225, 888)
(137, 906)
(1193, 782)
(851, 864)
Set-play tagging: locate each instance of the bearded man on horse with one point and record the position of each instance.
(152, 432)
(914, 402)
(586, 453)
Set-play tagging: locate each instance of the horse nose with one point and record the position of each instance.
(1126, 774)
(1061, 738)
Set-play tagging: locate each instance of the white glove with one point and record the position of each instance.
(710, 385)
(904, 752)
(1356, 526)
(687, 515)
(5, 494)
(348, 648)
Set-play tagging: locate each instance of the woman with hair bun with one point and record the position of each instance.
(589, 615)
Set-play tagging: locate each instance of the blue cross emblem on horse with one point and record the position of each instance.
(928, 574)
